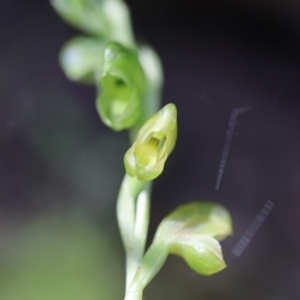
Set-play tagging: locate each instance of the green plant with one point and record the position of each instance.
(128, 78)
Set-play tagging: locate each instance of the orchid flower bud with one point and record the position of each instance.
(122, 83)
(155, 141)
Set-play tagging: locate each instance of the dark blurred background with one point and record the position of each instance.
(58, 159)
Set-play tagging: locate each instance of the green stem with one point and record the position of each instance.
(152, 262)
(151, 102)
(135, 290)
(150, 266)
(142, 221)
(129, 191)
(133, 208)
(140, 229)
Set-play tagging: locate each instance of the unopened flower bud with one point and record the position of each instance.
(155, 141)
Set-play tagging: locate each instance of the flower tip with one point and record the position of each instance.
(170, 111)
(171, 107)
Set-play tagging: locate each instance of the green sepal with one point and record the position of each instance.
(87, 15)
(151, 64)
(154, 142)
(81, 57)
(122, 86)
(108, 19)
(191, 231)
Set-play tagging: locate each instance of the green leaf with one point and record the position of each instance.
(155, 141)
(81, 57)
(122, 84)
(191, 231)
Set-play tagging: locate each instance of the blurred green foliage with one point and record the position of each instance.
(61, 260)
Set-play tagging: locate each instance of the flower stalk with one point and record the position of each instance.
(128, 78)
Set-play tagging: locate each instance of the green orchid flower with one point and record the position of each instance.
(155, 141)
(122, 85)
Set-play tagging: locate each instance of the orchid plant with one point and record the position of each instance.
(128, 79)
